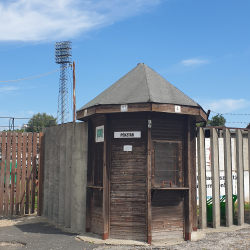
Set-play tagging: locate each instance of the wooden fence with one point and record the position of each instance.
(227, 151)
(21, 156)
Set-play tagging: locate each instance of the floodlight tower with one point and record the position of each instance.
(63, 56)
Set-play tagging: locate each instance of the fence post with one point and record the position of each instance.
(202, 179)
(240, 177)
(215, 177)
(40, 175)
(2, 171)
(228, 177)
(13, 168)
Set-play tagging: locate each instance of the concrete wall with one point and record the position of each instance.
(222, 168)
(65, 174)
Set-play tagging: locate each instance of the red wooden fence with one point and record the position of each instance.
(21, 164)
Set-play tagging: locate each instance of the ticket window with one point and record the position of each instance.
(168, 164)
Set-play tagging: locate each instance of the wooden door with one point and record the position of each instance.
(128, 193)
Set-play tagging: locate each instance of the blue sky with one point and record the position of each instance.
(201, 47)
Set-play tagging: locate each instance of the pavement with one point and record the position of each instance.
(33, 232)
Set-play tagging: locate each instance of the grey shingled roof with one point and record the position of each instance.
(140, 85)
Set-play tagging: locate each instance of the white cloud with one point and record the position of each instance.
(50, 20)
(193, 62)
(31, 112)
(225, 105)
(7, 89)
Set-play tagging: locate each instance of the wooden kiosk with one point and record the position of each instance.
(142, 159)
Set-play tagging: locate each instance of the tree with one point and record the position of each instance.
(217, 120)
(248, 126)
(39, 121)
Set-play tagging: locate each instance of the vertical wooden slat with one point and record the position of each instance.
(7, 179)
(215, 177)
(33, 174)
(187, 183)
(105, 206)
(240, 176)
(23, 173)
(228, 177)
(202, 179)
(40, 175)
(2, 171)
(18, 172)
(45, 190)
(28, 177)
(13, 168)
(149, 166)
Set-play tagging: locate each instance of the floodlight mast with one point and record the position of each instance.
(63, 56)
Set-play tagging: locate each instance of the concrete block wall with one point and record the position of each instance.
(65, 174)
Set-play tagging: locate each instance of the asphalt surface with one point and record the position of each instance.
(42, 236)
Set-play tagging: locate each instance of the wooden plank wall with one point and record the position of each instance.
(167, 215)
(97, 221)
(18, 189)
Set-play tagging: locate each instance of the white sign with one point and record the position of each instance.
(130, 134)
(124, 108)
(177, 109)
(99, 134)
(127, 148)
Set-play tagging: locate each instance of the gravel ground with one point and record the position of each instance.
(225, 240)
(29, 233)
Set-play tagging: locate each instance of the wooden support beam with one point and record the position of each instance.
(197, 112)
(105, 206)
(193, 173)
(228, 177)
(149, 164)
(202, 179)
(215, 176)
(188, 215)
(240, 176)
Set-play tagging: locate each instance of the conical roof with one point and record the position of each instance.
(141, 85)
